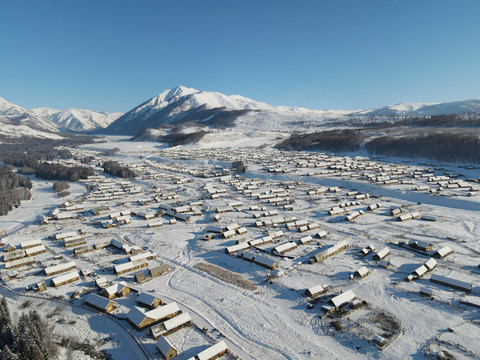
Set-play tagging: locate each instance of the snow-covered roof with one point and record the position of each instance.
(98, 301)
(146, 298)
(431, 263)
(420, 271)
(343, 298)
(212, 351)
(382, 253)
(315, 289)
(163, 311)
(264, 261)
(34, 250)
(451, 282)
(142, 256)
(129, 265)
(136, 315)
(177, 321)
(249, 255)
(285, 247)
(30, 243)
(64, 235)
(59, 268)
(362, 271)
(114, 289)
(444, 251)
(67, 277)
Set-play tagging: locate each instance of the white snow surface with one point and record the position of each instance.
(271, 322)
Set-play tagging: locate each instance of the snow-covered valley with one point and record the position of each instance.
(266, 234)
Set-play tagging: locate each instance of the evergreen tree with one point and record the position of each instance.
(7, 354)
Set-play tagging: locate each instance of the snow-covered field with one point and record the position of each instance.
(277, 320)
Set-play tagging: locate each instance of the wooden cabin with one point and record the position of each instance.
(141, 318)
(100, 303)
(116, 291)
(65, 279)
(158, 270)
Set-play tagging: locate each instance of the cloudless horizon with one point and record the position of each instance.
(113, 55)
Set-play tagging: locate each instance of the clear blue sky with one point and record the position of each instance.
(113, 55)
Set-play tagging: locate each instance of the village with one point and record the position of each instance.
(303, 255)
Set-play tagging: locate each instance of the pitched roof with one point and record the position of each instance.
(98, 301)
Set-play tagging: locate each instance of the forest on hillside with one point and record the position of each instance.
(331, 140)
(33, 156)
(13, 189)
(451, 147)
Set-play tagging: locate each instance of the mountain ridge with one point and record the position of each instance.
(77, 120)
(182, 105)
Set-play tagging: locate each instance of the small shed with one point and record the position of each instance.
(140, 276)
(316, 290)
(431, 264)
(149, 300)
(305, 240)
(443, 252)
(158, 270)
(166, 348)
(101, 281)
(321, 234)
(362, 272)
(382, 254)
(343, 298)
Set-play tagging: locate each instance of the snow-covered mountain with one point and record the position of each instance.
(404, 108)
(183, 105)
(426, 109)
(455, 107)
(190, 107)
(78, 119)
(16, 121)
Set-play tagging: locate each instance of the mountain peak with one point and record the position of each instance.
(174, 93)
